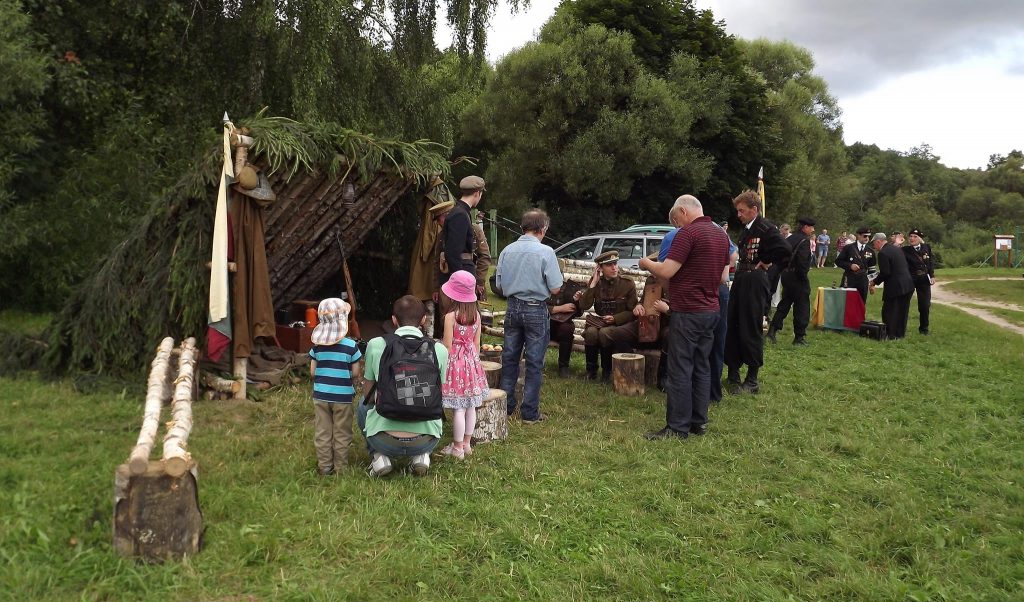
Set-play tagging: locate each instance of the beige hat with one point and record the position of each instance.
(441, 207)
(472, 183)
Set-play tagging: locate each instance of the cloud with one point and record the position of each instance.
(860, 45)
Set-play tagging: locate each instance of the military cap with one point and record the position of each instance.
(441, 207)
(607, 257)
(863, 230)
(805, 221)
(915, 231)
(472, 183)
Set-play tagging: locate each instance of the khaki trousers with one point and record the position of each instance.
(332, 433)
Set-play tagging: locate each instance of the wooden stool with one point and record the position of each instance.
(628, 373)
(493, 372)
(491, 419)
(652, 360)
(156, 515)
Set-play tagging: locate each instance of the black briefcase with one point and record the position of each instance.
(873, 330)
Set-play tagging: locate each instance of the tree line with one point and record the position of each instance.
(610, 113)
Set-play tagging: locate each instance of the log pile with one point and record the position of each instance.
(156, 502)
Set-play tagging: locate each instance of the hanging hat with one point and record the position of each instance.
(441, 207)
(248, 178)
(607, 257)
(436, 181)
(863, 230)
(461, 287)
(916, 232)
(805, 221)
(262, 193)
(333, 326)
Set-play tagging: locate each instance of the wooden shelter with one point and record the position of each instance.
(332, 185)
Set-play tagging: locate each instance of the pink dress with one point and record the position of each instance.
(466, 385)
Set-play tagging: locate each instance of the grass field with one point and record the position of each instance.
(864, 470)
(1003, 291)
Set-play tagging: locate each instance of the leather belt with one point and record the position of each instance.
(527, 301)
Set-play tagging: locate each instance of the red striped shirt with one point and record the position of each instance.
(702, 249)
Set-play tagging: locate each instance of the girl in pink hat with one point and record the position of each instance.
(466, 386)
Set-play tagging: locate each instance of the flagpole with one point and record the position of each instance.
(760, 191)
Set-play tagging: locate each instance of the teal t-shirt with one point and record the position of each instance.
(375, 423)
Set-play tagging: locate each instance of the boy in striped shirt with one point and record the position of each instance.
(334, 368)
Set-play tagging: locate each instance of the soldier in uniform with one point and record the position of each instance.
(922, 270)
(613, 298)
(426, 251)
(796, 287)
(564, 306)
(857, 259)
(761, 246)
(481, 256)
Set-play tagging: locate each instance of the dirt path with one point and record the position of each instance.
(944, 297)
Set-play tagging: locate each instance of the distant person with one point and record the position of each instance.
(334, 367)
(527, 275)
(693, 267)
(457, 235)
(400, 416)
(897, 239)
(760, 247)
(822, 250)
(894, 273)
(564, 307)
(775, 274)
(922, 270)
(796, 287)
(465, 385)
(856, 260)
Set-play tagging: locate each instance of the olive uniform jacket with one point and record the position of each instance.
(611, 298)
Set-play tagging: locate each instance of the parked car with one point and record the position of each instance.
(651, 228)
(632, 246)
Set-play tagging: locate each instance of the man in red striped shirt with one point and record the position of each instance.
(693, 268)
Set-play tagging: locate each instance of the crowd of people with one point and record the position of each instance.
(701, 324)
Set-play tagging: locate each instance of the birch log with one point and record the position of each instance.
(157, 393)
(176, 456)
(220, 385)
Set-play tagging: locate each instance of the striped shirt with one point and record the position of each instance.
(332, 381)
(702, 249)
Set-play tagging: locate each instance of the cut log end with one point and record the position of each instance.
(628, 374)
(177, 466)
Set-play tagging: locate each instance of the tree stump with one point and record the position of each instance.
(156, 515)
(493, 372)
(652, 360)
(491, 419)
(628, 373)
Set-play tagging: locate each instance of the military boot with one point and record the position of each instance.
(606, 363)
(591, 351)
(771, 334)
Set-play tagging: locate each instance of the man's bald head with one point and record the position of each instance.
(686, 209)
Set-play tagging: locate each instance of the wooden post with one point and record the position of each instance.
(491, 418)
(493, 372)
(156, 515)
(628, 373)
(241, 367)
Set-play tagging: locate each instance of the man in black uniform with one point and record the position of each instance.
(457, 232)
(919, 259)
(895, 275)
(760, 247)
(796, 287)
(856, 259)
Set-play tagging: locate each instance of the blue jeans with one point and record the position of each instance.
(395, 447)
(689, 377)
(526, 328)
(718, 347)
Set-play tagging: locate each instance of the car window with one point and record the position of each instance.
(628, 248)
(582, 249)
(653, 245)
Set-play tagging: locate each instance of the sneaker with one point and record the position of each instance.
(420, 464)
(467, 449)
(380, 466)
(455, 452)
(539, 418)
(665, 433)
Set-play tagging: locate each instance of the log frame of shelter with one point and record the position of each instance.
(492, 418)
(628, 373)
(156, 515)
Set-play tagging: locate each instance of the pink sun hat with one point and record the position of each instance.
(461, 287)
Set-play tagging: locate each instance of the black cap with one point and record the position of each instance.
(915, 231)
(863, 230)
(805, 221)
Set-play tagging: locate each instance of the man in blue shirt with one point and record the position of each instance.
(527, 275)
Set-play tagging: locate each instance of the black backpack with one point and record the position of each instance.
(408, 385)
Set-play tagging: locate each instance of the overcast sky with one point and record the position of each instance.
(949, 73)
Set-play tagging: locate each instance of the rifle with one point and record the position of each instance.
(353, 324)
